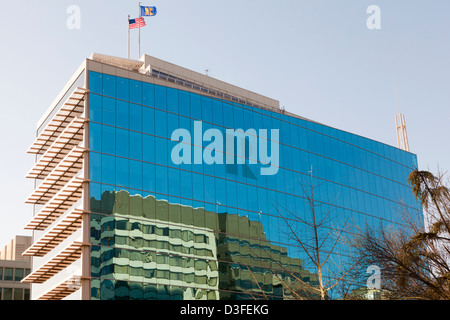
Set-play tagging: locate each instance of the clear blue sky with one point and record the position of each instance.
(316, 57)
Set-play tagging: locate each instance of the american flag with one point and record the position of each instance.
(134, 23)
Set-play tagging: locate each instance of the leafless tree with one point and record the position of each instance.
(414, 260)
(318, 238)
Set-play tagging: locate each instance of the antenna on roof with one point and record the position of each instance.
(400, 124)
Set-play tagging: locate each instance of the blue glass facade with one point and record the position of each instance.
(161, 230)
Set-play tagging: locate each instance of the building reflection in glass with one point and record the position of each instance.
(144, 248)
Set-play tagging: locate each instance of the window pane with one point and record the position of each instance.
(136, 91)
(95, 82)
(95, 132)
(135, 175)
(18, 274)
(123, 90)
(108, 140)
(96, 166)
(8, 274)
(109, 111)
(109, 85)
(136, 117)
(122, 143)
(18, 294)
(135, 145)
(123, 114)
(95, 107)
(7, 293)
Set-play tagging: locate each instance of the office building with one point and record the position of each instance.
(13, 268)
(157, 182)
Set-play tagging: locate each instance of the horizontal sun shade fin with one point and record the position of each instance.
(59, 204)
(59, 262)
(71, 136)
(73, 107)
(63, 289)
(58, 233)
(58, 178)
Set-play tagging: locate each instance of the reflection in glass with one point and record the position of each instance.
(198, 231)
(184, 252)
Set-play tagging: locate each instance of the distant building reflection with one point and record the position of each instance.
(144, 248)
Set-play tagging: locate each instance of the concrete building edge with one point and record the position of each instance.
(86, 223)
(61, 94)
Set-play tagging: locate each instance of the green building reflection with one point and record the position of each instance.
(144, 248)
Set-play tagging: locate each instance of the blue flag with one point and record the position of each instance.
(148, 11)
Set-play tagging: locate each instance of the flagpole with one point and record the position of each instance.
(139, 31)
(128, 37)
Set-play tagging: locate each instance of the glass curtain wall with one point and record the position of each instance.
(161, 229)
